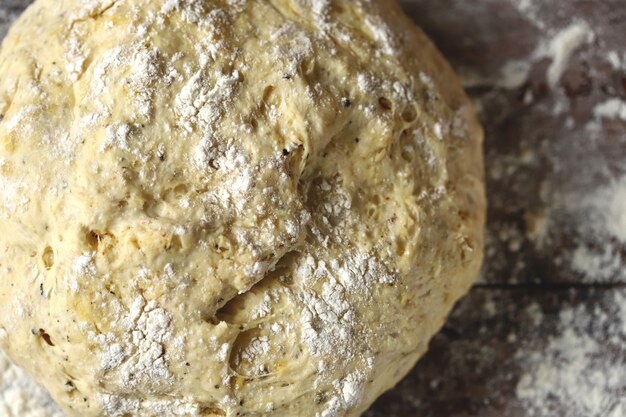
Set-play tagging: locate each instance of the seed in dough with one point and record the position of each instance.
(220, 208)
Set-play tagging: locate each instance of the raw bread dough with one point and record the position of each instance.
(230, 207)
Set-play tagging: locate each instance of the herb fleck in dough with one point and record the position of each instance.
(230, 207)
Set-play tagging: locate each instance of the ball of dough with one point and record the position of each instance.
(230, 207)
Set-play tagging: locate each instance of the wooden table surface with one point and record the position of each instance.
(543, 333)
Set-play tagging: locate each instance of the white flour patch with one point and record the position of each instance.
(348, 393)
(117, 135)
(329, 319)
(20, 396)
(295, 47)
(562, 46)
(557, 46)
(147, 328)
(603, 217)
(383, 36)
(613, 108)
(604, 209)
(115, 405)
(617, 62)
(573, 373)
(83, 268)
(602, 264)
(530, 11)
(76, 54)
(201, 101)
(12, 195)
(319, 10)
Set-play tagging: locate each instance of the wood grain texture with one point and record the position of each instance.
(538, 153)
(540, 157)
(496, 337)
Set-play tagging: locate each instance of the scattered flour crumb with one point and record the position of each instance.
(563, 45)
(613, 108)
(603, 212)
(117, 135)
(602, 264)
(614, 59)
(559, 47)
(572, 372)
(529, 9)
(84, 267)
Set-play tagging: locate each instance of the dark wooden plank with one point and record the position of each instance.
(541, 165)
(537, 162)
(9, 11)
(552, 167)
(521, 352)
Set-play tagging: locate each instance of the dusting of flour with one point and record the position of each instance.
(20, 396)
(573, 371)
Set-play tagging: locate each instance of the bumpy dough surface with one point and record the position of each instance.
(230, 207)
